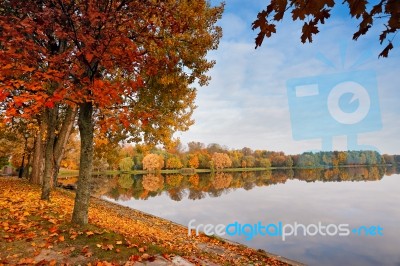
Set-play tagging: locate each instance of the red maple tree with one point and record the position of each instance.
(127, 65)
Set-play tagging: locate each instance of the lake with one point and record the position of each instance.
(358, 198)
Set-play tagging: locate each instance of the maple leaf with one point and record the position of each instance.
(385, 51)
(316, 12)
(89, 233)
(53, 229)
(27, 69)
(308, 30)
(134, 258)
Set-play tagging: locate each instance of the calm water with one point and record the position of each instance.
(354, 196)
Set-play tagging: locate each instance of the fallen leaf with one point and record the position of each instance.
(53, 229)
(88, 254)
(134, 258)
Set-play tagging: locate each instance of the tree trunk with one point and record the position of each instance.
(38, 156)
(62, 140)
(51, 117)
(28, 165)
(86, 128)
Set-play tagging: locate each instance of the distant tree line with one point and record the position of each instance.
(114, 156)
(197, 155)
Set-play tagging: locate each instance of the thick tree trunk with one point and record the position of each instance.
(86, 128)
(62, 139)
(38, 156)
(51, 117)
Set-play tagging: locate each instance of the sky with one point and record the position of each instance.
(332, 94)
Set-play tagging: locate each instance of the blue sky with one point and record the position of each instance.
(247, 103)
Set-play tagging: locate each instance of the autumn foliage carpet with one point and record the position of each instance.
(38, 232)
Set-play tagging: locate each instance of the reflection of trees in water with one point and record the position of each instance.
(222, 180)
(125, 181)
(194, 180)
(152, 182)
(391, 170)
(173, 180)
(177, 194)
(196, 194)
(215, 193)
(341, 174)
(198, 186)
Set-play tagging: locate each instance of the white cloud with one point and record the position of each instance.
(246, 102)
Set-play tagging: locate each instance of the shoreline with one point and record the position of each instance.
(162, 239)
(127, 209)
(67, 173)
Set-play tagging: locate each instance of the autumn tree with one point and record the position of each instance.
(126, 164)
(315, 13)
(221, 160)
(70, 159)
(265, 163)
(13, 143)
(127, 65)
(194, 161)
(107, 151)
(248, 161)
(153, 162)
(195, 146)
(173, 162)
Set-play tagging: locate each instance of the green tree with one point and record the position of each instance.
(126, 164)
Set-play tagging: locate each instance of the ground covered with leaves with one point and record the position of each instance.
(35, 232)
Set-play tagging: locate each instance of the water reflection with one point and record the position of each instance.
(356, 196)
(198, 186)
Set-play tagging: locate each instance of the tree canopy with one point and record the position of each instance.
(127, 65)
(314, 13)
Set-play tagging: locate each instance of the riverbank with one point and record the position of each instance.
(34, 231)
(67, 172)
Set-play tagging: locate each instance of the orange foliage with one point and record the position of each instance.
(152, 182)
(222, 180)
(194, 161)
(221, 160)
(153, 162)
